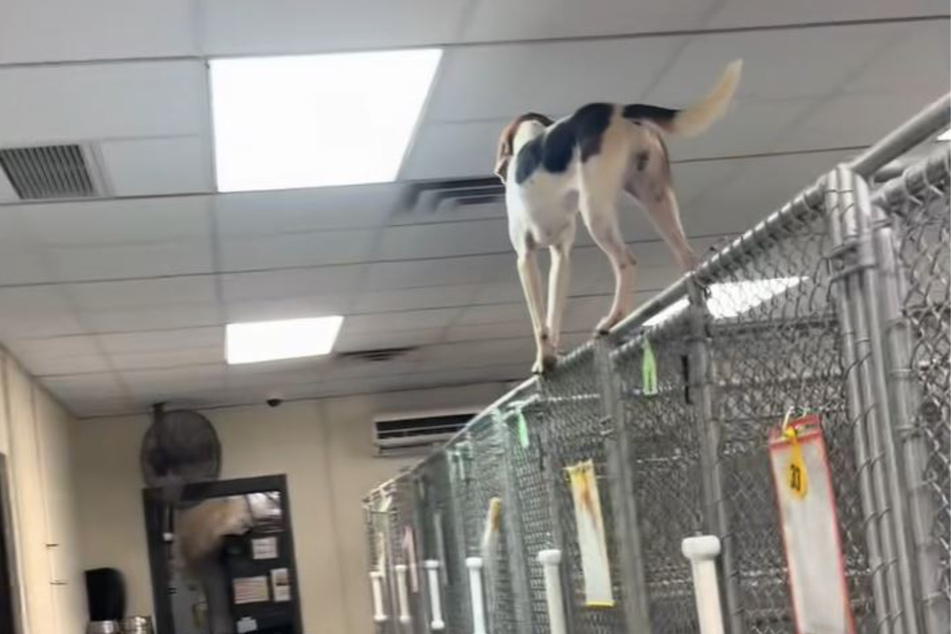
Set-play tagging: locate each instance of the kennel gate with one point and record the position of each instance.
(856, 328)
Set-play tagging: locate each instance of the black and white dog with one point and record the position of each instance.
(554, 169)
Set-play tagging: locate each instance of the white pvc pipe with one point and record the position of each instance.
(702, 552)
(550, 560)
(474, 564)
(376, 582)
(432, 576)
(401, 595)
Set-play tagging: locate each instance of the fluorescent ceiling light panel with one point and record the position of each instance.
(252, 342)
(731, 299)
(945, 136)
(316, 120)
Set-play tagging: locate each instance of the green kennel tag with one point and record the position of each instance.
(648, 370)
(523, 438)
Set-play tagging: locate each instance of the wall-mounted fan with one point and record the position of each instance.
(180, 447)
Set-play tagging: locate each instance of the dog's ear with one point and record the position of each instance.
(504, 153)
(507, 139)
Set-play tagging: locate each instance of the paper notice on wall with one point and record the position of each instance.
(281, 584)
(409, 550)
(810, 528)
(264, 548)
(247, 624)
(250, 590)
(595, 566)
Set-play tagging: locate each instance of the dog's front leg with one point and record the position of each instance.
(532, 286)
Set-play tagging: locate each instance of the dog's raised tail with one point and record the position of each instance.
(698, 117)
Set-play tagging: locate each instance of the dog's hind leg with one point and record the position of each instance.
(602, 178)
(651, 187)
(532, 286)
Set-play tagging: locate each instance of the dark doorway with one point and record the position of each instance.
(8, 619)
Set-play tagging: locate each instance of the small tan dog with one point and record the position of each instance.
(553, 170)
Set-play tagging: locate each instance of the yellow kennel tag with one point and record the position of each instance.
(796, 476)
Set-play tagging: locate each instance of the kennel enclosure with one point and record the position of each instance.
(836, 305)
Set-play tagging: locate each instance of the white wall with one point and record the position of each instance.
(35, 438)
(324, 447)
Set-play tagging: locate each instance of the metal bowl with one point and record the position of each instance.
(137, 625)
(103, 627)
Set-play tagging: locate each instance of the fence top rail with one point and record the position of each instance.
(923, 126)
(935, 168)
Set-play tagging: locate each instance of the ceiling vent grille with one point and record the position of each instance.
(378, 355)
(438, 196)
(47, 172)
(417, 434)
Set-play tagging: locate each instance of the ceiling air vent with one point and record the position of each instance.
(377, 355)
(49, 171)
(437, 196)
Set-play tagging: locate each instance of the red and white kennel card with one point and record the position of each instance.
(810, 528)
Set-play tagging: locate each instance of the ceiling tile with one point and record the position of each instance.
(294, 210)
(438, 272)
(755, 191)
(299, 249)
(100, 386)
(24, 264)
(107, 222)
(288, 307)
(742, 13)
(500, 82)
(35, 312)
(530, 19)
(330, 280)
(303, 26)
(53, 30)
(156, 293)
(483, 332)
(133, 99)
(153, 259)
(782, 64)
(183, 358)
(173, 384)
(351, 341)
(162, 340)
(444, 239)
(170, 316)
(454, 149)
(61, 365)
(917, 61)
(406, 320)
(149, 167)
(410, 298)
(489, 314)
(855, 120)
(7, 193)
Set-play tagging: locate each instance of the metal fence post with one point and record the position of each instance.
(708, 434)
(879, 538)
(868, 329)
(627, 527)
(895, 376)
(512, 519)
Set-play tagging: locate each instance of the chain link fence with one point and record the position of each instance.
(837, 305)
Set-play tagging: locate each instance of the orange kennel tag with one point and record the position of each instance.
(805, 500)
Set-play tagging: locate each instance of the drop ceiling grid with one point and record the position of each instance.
(447, 284)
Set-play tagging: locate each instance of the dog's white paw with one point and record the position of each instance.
(544, 363)
(605, 325)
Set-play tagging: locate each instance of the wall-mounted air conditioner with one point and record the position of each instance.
(417, 433)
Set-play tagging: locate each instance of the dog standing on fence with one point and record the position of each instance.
(554, 169)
